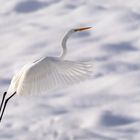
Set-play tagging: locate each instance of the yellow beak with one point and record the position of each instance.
(82, 29)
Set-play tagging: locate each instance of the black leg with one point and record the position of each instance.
(4, 95)
(6, 101)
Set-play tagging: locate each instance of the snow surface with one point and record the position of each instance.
(105, 107)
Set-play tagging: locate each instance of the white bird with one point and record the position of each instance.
(47, 73)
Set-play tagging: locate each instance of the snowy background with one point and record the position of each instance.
(106, 106)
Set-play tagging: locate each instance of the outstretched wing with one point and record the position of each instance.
(50, 73)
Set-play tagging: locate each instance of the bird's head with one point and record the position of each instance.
(70, 32)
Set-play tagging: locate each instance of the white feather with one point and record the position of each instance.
(48, 73)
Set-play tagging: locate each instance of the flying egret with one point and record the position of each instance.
(47, 73)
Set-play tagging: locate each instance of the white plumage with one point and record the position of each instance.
(47, 73)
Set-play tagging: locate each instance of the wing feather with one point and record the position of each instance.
(50, 73)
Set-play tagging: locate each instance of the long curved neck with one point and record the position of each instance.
(64, 43)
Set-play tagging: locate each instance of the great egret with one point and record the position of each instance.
(46, 73)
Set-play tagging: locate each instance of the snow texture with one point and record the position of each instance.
(104, 107)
